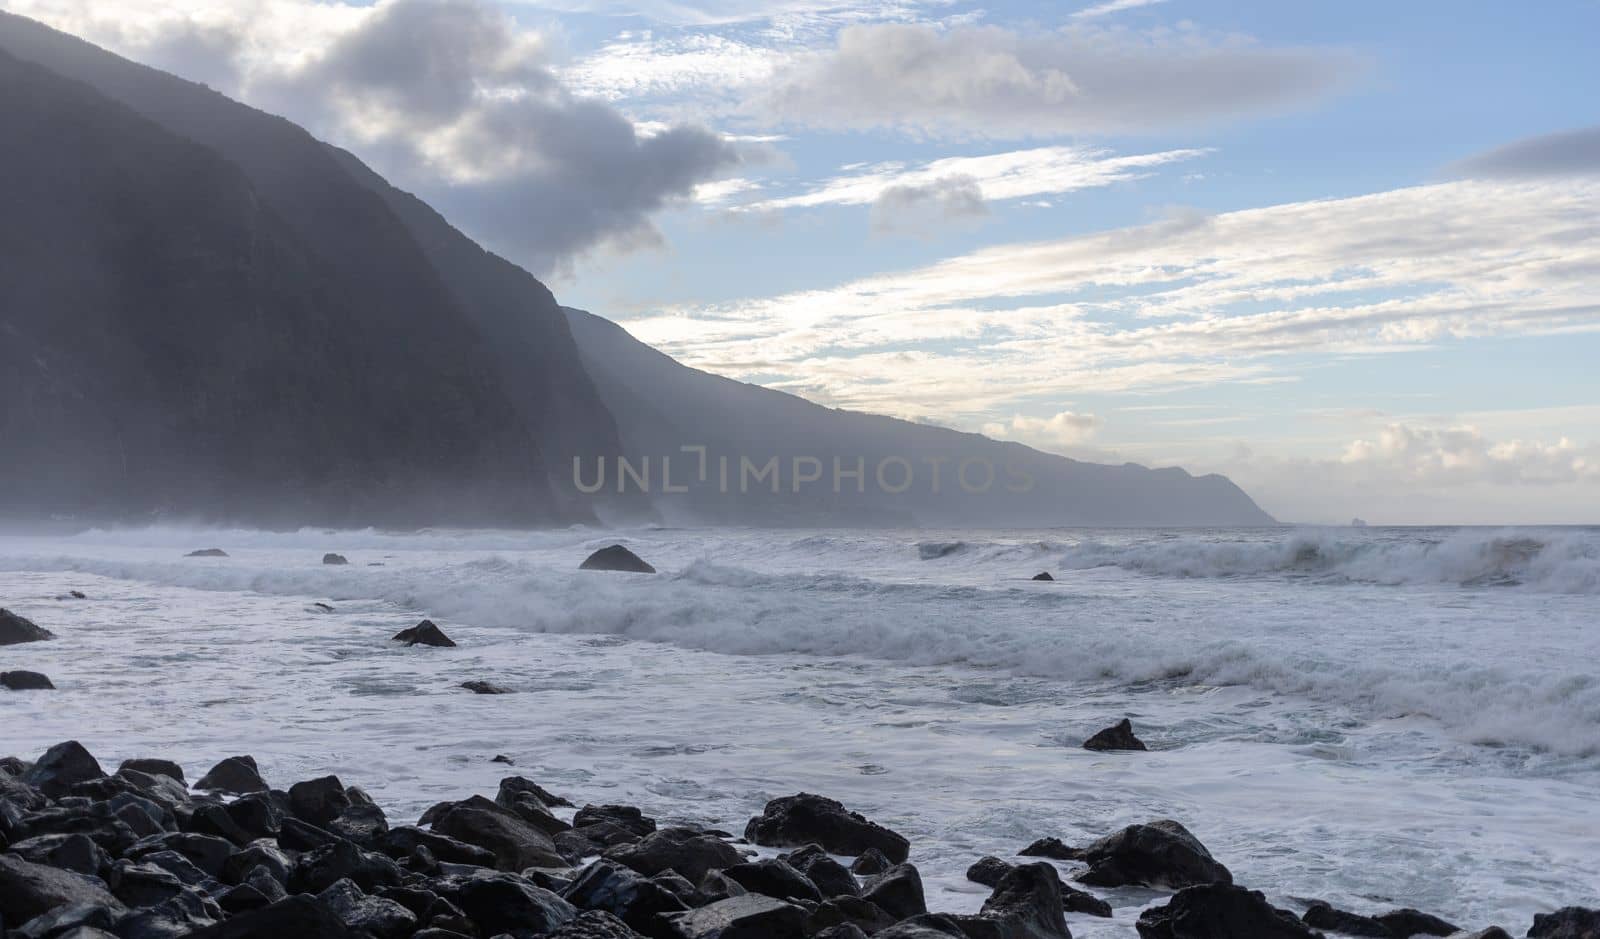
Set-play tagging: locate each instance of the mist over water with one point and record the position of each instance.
(1435, 688)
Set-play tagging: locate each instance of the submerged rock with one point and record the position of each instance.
(235, 775)
(988, 871)
(334, 559)
(870, 862)
(207, 553)
(484, 687)
(1398, 924)
(1160, 854)
(1043, 575)
(425, 633)
(802, 819)
(324, 607)
(1052, 848)
(1119, 736)
(25, 681)
(1221, 911)
(616, 558)
(1571, 922)
(15, 629)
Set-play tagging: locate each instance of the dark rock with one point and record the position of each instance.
(602, 835)
(153, 767)
(28, 890)
(14, 629)
(318, 801)
(685, 850)
(1492, 932)
(1119, 736)
(77, 595)
(245, 897)
(372, 916)
(214, 820)
(425, 633)
(300, 917)
(1027, 903)
(296, 835)
(746, 917)
(622, 892)
(65, 920)
(774, 878)
(261, 855)
(236, 775)
(26, 681)
(1160, 854)
(507, 903)
(516, 797)
(363, 824)
(1043, 575)
(321, 868)
(677, 885)
(324, 607)
(714, 886)
(832, 878)
(335, 559)
(502, 758)
(988, 871)
(180, 867)
(484, 687)
(1406, 923)
(898, 890)
(177, 915)
(207, 852)
(1323, 916)
(869, 862)
(929, 926)
(841, 931)
(591, 924)
(805, 819)
(515, 843)
(1570, 922)
(519, 785)
(74, 852)
(403, 841)
(1221, 911)
(864, 915)
(207, 553)
(616, 558)
(62, 766)
(1052, 848)
(623, 816)
(164, 790)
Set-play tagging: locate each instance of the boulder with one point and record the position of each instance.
(1160, 854)
(1027, 903)
(519, 784)
(235, 775)
(153, 767)
(689, 852)
(178, 915)
(501, 903)
(1052, 848)
(869, 862)
(831, 878)
(612, 888)
(425, 633)
(300, 917)
(865, 915)
(26, 681)
(772, 877)
(616, 558)
(623, 816)
(1221, 911)
(932, 926)
(1571, 922)
(484, 687)
(28, 890)
(75, 852)
(748, 917)
(74, 921)
(207, 553)
(1492, 932)
(319, 869)
(515, 843)
(1408, 922)
(1118, 736)
(1043, 575)
(1399, 924)
(207, 852)
(803, 819)
(371, 916)
(898, 891)
(591, 924)
(14, 629)
(988, 871)
(318, 801)
(335, 559)
(62, 767)
(841, 931)
(403, 842)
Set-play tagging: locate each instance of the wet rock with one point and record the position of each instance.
(774, 878)
(259, 856)
(929, 926)
(299, 917)
(324, 607)
(514, 843)
(402, 842)
(235, 775)
(318, 801)
(506, 903)
(591, 924)
(1492, 932)
(1160, 854)
(62, 766)
(864, 915)
(898, 890)
(869, 862)
(425, 633)
(1043, 575)
(297, 835)
(714, 886)
(1571, 922)
(1221, 911)
(75, 852)
(748, 917)
(516, 796)
(988, 871)
(685, 850)
(363, 824)
(624, 816)
(616, 558)
(334, 559)
(1118, 736)
(207, 553)
(1052, 848)
(519, 784)
(502, 758)
(26, 681)
(1027, 903)
(841, 931)
(178, 915)
(207, 852)
(67, 921)
(1407, 922)
(28, 890)
(153, 767)
(321, 868)
(1400, 923)
(612, 888)
(14, 629)
(804, 819)
(484, 687)
(832, 878)
(372, 916)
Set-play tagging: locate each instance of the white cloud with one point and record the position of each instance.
(1060, 430)
(1463, 454)
(1113, 6)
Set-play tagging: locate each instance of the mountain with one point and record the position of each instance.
(209, 314)
(662, 405)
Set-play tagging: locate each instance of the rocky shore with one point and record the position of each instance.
(140, 853)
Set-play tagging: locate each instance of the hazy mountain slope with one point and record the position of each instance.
(662, 405)
(427, 283)
(172, 345)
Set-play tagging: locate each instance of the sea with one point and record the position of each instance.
(1375, 717)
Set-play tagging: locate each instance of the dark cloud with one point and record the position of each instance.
(906, 206)
(1568, 153)
(989, 81)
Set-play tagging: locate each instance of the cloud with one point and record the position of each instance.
(1113, 6)
(1187, 300)
(448, 98)
(1017, 174)
(1464, 455)
(1568, 153)
(988, 81)
(1064, 429)
(914, 205)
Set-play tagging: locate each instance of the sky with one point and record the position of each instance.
(1347, 254)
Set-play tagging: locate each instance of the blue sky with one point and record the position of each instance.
(1346, 253)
